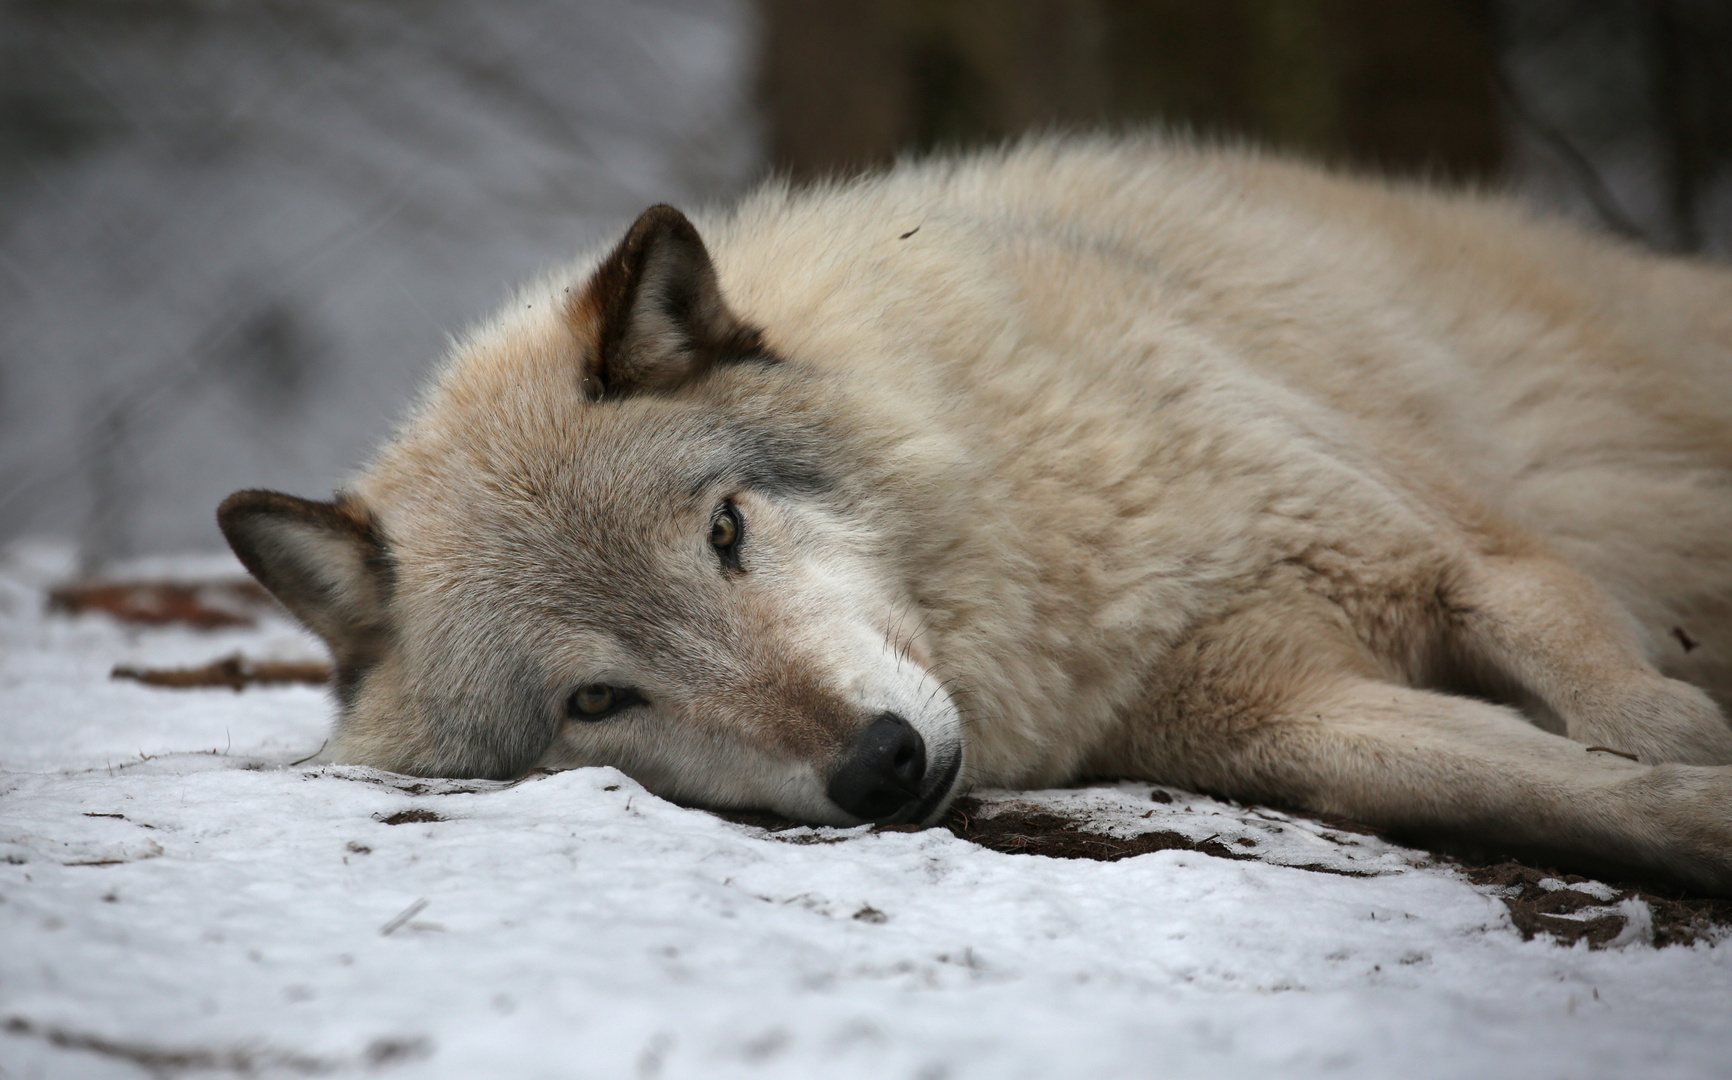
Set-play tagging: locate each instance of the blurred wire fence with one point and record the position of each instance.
(234, 235)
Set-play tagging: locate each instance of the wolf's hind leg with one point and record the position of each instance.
(1436, 764)
(1540, 622)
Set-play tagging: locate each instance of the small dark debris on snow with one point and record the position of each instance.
(396, 1051)
(1160, 796)
(359, 849)
(870, 914)
(235, 672)
(208, 605)
(173, 1060)
(909, 233)
(398, 920)
(410, 817)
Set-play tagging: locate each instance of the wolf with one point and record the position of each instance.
(1081, 458)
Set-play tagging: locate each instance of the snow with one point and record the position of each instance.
(176, 898)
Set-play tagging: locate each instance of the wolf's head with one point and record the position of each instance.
(624, 533)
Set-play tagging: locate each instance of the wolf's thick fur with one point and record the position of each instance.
(1086, 458)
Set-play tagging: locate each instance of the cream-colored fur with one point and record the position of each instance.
(1128, 458)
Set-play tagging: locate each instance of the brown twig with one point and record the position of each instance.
(207, 605)
(235, 672)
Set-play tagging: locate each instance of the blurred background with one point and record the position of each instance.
(235, 236)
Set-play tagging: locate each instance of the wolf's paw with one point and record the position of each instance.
(1658, 720)
(1686, 813)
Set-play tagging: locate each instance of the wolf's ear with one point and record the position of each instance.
(324, 561)
(656, 313)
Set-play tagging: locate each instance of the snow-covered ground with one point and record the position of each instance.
(177, 899)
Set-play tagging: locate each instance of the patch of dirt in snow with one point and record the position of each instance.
(1118, 822)
(1541, 900)
(1026, 829)
(1566, 907)
(411, 817)
(1572, 908)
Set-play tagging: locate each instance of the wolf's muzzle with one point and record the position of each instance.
(881, 770)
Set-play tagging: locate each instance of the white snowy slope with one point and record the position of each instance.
(177, 899)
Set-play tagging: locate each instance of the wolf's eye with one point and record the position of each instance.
(598, 701)
(725, 530)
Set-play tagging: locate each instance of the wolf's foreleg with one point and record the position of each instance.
(1431, 764)
(1543, 624)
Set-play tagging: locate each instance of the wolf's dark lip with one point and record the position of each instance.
(934, 799)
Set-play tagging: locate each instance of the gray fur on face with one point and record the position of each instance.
(593, 568)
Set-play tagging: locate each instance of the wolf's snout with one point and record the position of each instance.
(882, 769)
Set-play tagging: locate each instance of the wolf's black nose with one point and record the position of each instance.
(881, 770)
